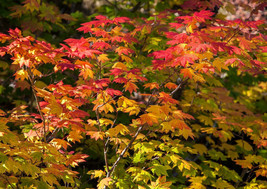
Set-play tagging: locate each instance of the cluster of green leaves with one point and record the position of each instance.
(113, 94)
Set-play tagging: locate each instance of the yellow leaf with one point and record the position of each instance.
(87, 72)
(120, 65)
(120, 128)
(128, 106)
(96, 173)
(106, 122)
(126, 58)
(219, 64)
(201, 148)
(104, 182)
(21, 75)
(75, 136)
(244, 163)
(59, 143)
(157, 111)
(244, 144)
(221, 184)
(96, 134)
(103, 58)
(190, 28)
(40, 84)
(55, 108)
(166, 127)
(207, 55)
(186, 133)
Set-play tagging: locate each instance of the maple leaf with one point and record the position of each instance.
(96, 173)
(103, 58)
(96, 135)
(75, 159)
(219, 64)
(203, 15)
(113, 92)
(60, 143)
(123, 50)
(149, 118)
(245, 44)
(116, 72)
(102, 83)
(120, 65)
(78, 113)
(74, 135)
(233, 60)
(130, 86)
(167, 98)
(120, 128)
(170, 85)
(101, 45)
(187, 72)
(128, 106)
(121, 20)
(175, 25)
(152, 85)
(201, 148)
(104, 182)
(244, 163)
(21, 75)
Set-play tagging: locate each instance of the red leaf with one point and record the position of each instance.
(120, 80)
(101, 45)
(102, 83)
(123, 50)
(116, 71)
(121, 20)
(203, 15)
(175, 25)
(113, 92)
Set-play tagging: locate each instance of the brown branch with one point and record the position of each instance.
(37, 102)
(98, 122)
(235, 32)
(124, 151)
(136, 7)
(7, 181)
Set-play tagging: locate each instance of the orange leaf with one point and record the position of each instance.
(149, 118)
(152, 85)
(187, 72)
(170, 85)
(130, 86)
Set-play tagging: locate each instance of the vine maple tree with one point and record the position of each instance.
(151, 93)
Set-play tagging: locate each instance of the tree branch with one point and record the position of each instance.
(124, 151)
(37, 103)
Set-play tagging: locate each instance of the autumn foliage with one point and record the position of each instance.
(153, 96)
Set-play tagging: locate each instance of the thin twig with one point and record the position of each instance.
(7, 181)
(124, 151)
(98, 122)
(37, 102)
